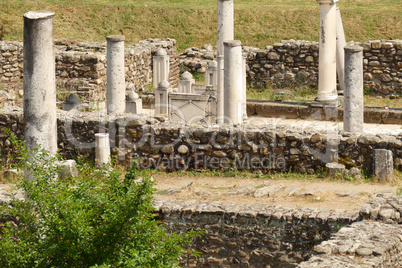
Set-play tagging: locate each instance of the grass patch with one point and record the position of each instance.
(304, 94)
(193, 22)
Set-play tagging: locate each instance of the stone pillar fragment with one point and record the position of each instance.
(71, 103)
(220, 91)
(353, 96)
(133, 103)
(186, 83)
(211, 74)
(383, 165)
(233, 82)
(162, 98)
(160, 67)
(102, 149)
(225, 29)
(340, 53)
(39, 81)
(116, 87)
(327, 93)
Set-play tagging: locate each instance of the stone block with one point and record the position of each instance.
(335, 169)
(383, 165)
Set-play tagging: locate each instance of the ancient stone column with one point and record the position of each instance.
(116, 87)
(211, 74)
(233, 82)
(353, 95)
(244, 67)
(225, 24)
(160, 67)
(162, 98)
(340, 54)
(102, 149)
(186, 83)
(39, 81)
(327, 93)
(220, 91)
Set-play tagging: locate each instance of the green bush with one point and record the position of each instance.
(97, 219)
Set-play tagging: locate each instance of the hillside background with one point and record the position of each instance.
(192, 23)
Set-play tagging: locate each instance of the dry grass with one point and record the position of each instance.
(193, 22)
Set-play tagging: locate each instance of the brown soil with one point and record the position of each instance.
(311, 194)
(294, 193)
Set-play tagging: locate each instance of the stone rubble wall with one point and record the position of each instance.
(173, 146)
(362, 244)
(290, 63)
(84, 65)
(251, 235)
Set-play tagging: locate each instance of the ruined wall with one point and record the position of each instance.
(291, 62)
(82, 67)
(173, 146)
(252, 235)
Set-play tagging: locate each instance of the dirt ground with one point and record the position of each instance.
(313, 193)
(294, 193)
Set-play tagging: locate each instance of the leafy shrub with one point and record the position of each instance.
(97, 219)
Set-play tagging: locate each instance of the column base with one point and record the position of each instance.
(324, 104)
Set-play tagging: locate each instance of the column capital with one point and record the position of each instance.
(329, 2)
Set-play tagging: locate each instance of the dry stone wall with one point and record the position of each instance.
(251, 235)
(172, 146)
(291, 62)
(84, 65)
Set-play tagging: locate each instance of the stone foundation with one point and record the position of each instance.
(155, 143)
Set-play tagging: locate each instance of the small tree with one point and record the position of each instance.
(95, 219)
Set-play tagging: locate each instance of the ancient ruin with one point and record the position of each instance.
(187, 125)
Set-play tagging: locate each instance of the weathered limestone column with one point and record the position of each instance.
(116, 87)
(225, 24)
(233, 82)
(162, 98)
(211, 74)
(244, 67)
(220, 91)
(383, 165)
(102, 149)
(39, 81)
(340, 53)
(160, 67)
(353, 95)
(327, 93)
(186, 83)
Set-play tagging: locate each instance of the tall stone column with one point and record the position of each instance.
(220, 91)
(353, 95)
(340, 53)
(39, 81)
(327, 93)
(244, 67)
(160, 67)
(233, 82)
(225, 24)
(116, 84)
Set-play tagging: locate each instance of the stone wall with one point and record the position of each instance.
(291, 63)
(172, 146)
(82, 67)
(252, 235)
